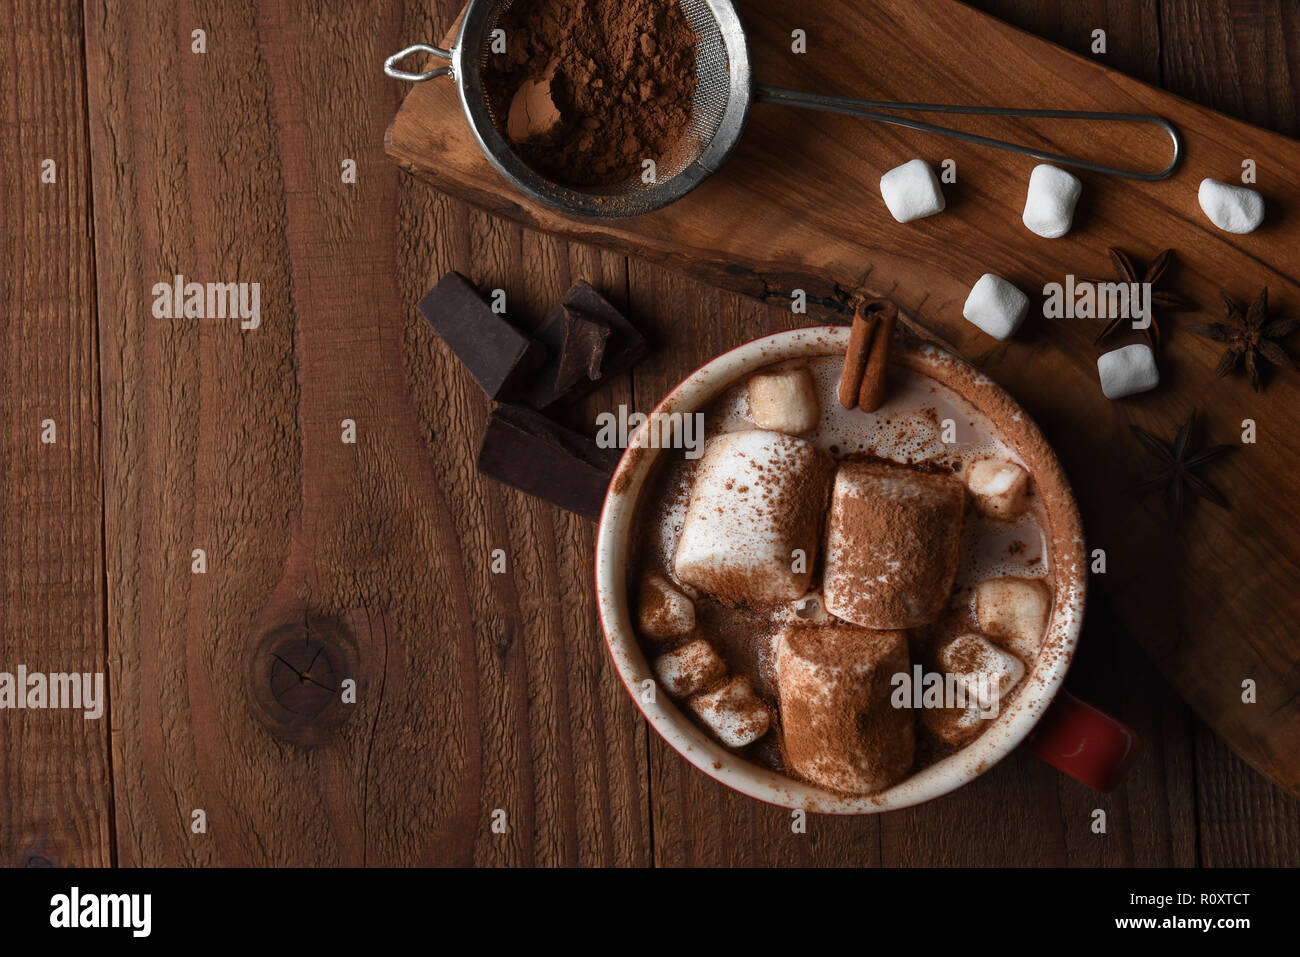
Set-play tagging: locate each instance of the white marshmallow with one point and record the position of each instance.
(1014, 611)
(912, 191)
(734, 714)
(688, 669)
(999, 487)
(1234, 209)
(664, 612)
(1128, 371)
(1049, 205)
(986, 671)
(754, 521)
(784, 401)
(996, 306)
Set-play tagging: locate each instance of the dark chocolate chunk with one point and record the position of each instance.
(500, 357)
(583, 349)
(624, 348)
(526, 450)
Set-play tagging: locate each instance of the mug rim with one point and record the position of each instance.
(1044, 680)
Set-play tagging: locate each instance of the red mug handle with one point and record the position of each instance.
(1084, 742)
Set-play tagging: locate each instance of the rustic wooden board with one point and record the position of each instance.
(56, 803)
(798, 206)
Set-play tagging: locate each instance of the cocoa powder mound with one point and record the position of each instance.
(588, 89)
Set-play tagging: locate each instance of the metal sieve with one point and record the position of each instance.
(723, 94)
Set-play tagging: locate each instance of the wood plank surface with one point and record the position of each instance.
(797, 205)
(476, 692)
(56, 802)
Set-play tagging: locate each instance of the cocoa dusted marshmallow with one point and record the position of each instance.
(839, 727)
(688, 669)
(892, 541)
(736, 716)
(1014, 611)
(999, 488)
(754, 520)
(664, 613)
(986, 671)
(784, 401)
(955, 726)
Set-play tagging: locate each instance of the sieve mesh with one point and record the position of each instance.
(721, 103)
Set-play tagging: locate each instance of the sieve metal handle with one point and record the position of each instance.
(869, 109)
(390, 65)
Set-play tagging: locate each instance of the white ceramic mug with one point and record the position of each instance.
(1076, 737)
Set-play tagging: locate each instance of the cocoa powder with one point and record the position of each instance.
(588, 89)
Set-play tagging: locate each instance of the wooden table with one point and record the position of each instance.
(482, 697)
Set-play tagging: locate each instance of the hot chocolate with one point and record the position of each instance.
(844, 597)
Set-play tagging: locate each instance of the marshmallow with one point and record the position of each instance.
(664, 612)
(998, 487)
(1014, 611)
(912, 191)
(734, 714)
(839, 727)
(986, 671)
(1234, 209)
(754, 520)
(892, 541)
(688, 669)
(1128, 371)
(1049, 206)
(996, 306)
(784, 401)
(954, 726)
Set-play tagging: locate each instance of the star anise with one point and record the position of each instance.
(1177, 472)
(1250, 335)
(1127, 272)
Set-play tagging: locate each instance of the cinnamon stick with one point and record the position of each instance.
(855, 359)
(872, 394)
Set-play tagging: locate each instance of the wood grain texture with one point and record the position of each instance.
(55, 793)
(476, 692)
(798, 205)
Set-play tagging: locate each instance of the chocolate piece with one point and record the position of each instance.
(528, 451)
(500, 357)
(583, 349)
(624, 348)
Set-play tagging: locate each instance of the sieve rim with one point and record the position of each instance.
(595, 203)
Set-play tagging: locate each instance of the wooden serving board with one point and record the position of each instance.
(798, 206)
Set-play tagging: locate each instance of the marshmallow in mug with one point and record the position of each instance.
(996, 306)
(1128, 371)
(1234, 209)
(912, 191)
(1049, 205)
